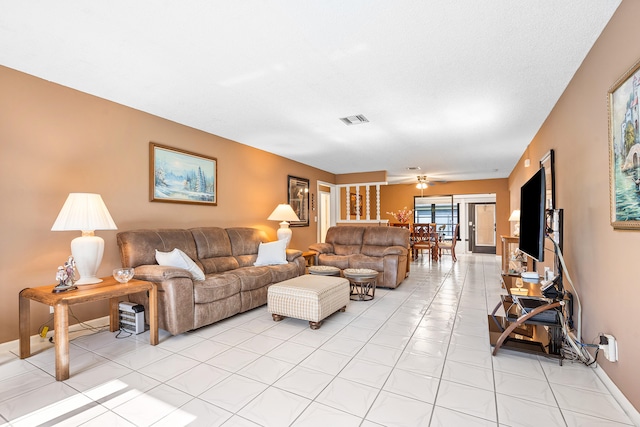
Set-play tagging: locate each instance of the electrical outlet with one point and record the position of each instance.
(609, 347)
(50, 309)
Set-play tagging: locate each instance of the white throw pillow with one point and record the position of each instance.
(272, 253)
(177, 258)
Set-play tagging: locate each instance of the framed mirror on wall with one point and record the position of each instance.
(298, 190)
(548, 163)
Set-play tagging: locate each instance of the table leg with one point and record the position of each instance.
(114, 314)
(153, 315)
(24, 325)
(61, 338)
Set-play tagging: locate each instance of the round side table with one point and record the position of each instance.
(362, 282)
(324, 270)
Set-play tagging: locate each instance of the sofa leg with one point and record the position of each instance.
(343, 309)
(277, 317)
(315, 325)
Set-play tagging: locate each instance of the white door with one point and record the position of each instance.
(482, 227)
(326, 218)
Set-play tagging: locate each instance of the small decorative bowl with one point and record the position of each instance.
(123, 275)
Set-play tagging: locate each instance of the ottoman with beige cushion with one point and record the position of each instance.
(308, 297)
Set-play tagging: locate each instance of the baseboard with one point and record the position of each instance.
(630, 410)
(96, 323)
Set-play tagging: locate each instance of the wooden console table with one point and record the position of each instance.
(109, 288)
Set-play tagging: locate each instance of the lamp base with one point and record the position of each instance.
(87, 251)
(87, 281)
(284, 232)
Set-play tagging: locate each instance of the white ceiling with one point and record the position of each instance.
(458, 88)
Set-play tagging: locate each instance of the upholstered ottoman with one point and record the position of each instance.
(308, 297)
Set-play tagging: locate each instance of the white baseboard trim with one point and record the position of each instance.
(630, 410)
(96, 323)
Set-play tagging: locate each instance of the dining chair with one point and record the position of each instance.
(425, 237)
(450, 245)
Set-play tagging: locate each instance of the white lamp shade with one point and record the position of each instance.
(284, 213)
(515, 217)
(85, 212)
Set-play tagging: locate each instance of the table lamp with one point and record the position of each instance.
(515, 217)
(85, 212)
(284, 213)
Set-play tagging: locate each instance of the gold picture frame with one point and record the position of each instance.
(624, 150)
(180, 176)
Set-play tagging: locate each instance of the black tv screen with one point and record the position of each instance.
(532, 216)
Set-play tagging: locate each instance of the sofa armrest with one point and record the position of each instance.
(292, 254)
(159, 273)
(322, 248)
(176, 308)
(395, 250)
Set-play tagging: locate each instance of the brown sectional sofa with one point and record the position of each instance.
(384, 249)
(232, 283)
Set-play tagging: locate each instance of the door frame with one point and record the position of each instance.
(470, 229)
(333, 206)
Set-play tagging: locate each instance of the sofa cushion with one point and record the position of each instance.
(340, 261)
(244, 244)
(253, 277)
(177, 258)
(272, 253)
(283, 272)
(216, 287)
(376, 239)
(345, 240)
(214, 249)
(137, 247)
(363, 261)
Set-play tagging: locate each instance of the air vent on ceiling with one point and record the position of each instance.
(354, 120)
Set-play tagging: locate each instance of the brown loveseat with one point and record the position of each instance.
(384, 249)
(231, 285)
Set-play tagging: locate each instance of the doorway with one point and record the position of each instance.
(325, 209)
(482, 228)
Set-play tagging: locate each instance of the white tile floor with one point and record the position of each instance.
(418, 355)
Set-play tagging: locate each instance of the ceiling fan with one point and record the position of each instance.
(413, 179)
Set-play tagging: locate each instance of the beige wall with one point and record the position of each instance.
(55, 140)
(396, 197)
(601, 262)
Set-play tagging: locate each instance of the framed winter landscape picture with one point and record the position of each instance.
(179, 176)
(624, 150)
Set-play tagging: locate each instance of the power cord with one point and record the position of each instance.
(86, 325)
(123, 331)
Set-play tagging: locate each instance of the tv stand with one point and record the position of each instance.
(534, 332)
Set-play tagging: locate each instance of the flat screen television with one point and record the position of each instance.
(532, 216)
